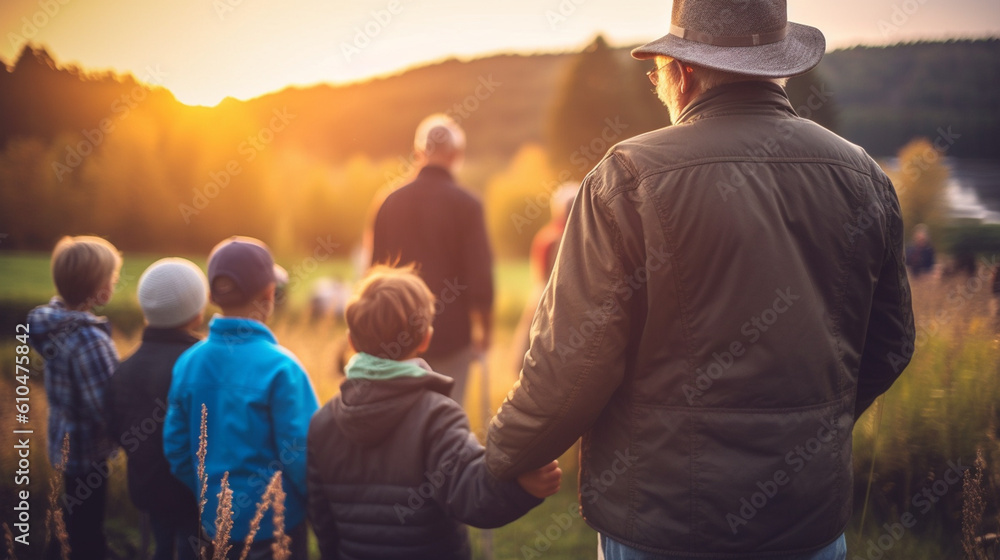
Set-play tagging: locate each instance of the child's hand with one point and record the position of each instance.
(543, 482)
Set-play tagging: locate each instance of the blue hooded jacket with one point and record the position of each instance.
(259, 403)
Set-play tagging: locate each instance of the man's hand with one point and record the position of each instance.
(543, 482)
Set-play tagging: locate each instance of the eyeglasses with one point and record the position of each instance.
(654, 74)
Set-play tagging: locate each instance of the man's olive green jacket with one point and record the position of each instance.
(729, 296)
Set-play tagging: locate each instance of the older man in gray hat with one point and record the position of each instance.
(729, 297)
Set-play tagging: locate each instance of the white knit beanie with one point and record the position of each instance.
(172, 292)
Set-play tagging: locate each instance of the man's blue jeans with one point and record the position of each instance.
(614, 550)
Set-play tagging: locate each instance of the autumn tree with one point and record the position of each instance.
(517, 201)
(921, 182)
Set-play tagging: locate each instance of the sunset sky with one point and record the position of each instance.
(205, 50)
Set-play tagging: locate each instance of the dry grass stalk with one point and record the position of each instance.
(8, 539)
(265, 501)
(973, 506)
(280, 548)
(202, 452)
(202, 475)
(55, 523)
(223, 520)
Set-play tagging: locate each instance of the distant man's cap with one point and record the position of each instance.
(172, 292)
(247, 262)
(752, 37)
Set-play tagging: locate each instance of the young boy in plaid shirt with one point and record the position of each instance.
(79, 360)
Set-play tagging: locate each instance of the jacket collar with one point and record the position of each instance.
(60, 315)
(435, 173)
(234, 330)
(367, 366)
(753, 97)
(369, 410)
(168, 336)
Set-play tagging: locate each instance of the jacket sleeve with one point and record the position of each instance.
(464, 488)
(890, 337)
(377, 232)
(177, 444)
(576, 358)
(320, 515)
(292, 406)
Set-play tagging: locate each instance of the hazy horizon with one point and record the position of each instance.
(205, 51)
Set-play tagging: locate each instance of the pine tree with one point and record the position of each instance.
(604, 99)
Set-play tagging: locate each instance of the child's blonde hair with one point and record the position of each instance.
(390, 312)
(82, 266)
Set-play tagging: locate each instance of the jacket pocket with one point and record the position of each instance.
(733, 481)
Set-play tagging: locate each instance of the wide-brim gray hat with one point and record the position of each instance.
(752, 37)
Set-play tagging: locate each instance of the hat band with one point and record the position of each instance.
(729, 40)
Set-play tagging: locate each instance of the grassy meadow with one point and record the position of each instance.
(940, 413)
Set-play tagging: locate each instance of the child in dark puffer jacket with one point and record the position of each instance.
(393, 469)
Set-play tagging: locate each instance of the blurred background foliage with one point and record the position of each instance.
(304, 163)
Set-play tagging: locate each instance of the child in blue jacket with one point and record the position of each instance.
(258, 397)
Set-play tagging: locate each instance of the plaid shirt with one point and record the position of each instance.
(79, 361)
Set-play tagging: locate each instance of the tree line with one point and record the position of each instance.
(118, 156)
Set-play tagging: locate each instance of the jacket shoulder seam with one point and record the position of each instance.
(631, 181)
(730, 159)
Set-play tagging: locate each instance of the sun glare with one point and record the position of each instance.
(210, 94)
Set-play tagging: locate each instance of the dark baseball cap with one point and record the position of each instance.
(247, 262)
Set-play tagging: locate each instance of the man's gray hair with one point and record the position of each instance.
(438, 131)
(709, 78)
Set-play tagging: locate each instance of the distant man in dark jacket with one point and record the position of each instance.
(729, 297)
(393, 469)
(437, 225)
(172, 294)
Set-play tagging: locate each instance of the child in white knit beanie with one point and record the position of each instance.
(172, 294)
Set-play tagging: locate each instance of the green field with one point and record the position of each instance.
(942, 410)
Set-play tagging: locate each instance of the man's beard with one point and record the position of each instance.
(669, 96)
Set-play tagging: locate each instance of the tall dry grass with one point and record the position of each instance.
(942, 411)
(977, 544)
(55, 523)
(8, 541)
(280, 547)
(266, 501)
(223, 520)
(202, 453)
(273, 497)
